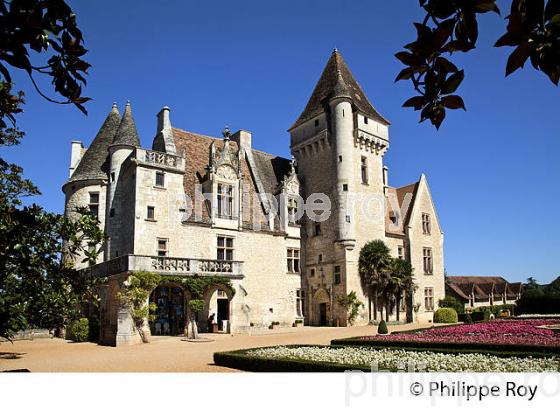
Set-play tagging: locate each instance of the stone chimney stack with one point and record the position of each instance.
(164, 141)
(243, 139)
(76, 155)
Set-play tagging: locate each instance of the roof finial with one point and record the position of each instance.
(226, 133)
(128, 102)
(114, 104)
(335, 50)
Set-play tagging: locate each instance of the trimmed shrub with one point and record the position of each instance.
(451, 302)
(445, 315)
(382, 328)
(532, 302)
(80, 330)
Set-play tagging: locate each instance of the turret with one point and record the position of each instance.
(87, 185)
(125, 142)
(342, 125)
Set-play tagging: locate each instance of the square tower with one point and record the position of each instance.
(339, 141)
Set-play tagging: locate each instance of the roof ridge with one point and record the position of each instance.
(269, 154)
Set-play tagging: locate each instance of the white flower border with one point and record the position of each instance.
(401, 359)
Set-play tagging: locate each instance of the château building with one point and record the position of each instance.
(201, 205)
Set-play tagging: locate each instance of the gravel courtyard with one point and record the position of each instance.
(163, 354)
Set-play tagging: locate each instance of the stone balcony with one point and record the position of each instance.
(169, 266)
(159, 160)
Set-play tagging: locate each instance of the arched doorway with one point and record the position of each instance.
(170, 311)
(217, 309)
(322, 308)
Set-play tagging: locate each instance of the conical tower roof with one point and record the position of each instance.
(126, 134)
(337, 81)
(94, 163)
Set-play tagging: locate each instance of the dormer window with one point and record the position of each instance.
(225, 201)
(316, 123)
(292, 210)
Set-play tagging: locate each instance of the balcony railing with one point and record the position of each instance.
(168, 266)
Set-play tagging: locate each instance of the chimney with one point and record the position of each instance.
(76, 155)
(243, 139)
(164, 141)
(163, 119)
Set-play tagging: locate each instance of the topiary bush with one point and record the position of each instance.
(382, 328)
(445, 315)
(80, 330)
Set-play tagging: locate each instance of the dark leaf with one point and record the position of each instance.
(518, 57)
(453, 102)
(552, 8)
(453, 82)
(415, 102)
(508, 39)
(484, 6)
(405, 74)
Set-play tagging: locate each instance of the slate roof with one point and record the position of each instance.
(94, 163)
(271, 169)
(127, 134)
(336, 81)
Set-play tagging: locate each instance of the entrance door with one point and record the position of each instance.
(170, 311)
(223, 312)
(322, 314)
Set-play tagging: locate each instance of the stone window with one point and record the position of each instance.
(364, 169)
(429, 299)
(293, 260)
(162, 247)
(428, 261)
(300, 302)
(337, 279)
(365, 120)
(94, 203)
(112, 177)
(292, 210)
(312, 273)
(160, 179)
(345, 187)
(225, 248)
(317, 228)
(426, 224)
(225, 201)
(151, 213)
(400, 252)
(316, 123)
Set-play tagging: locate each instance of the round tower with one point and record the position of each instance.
(87, 185)
(124, 143)
(342, 126)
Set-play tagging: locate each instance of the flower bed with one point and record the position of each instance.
(502, 332)
(523, 337)
(329, 358)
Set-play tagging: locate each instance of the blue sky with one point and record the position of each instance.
(492, 170)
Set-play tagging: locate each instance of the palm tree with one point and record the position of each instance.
(372, 264)
(401, 280)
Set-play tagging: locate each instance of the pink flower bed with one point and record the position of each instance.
(510, 332)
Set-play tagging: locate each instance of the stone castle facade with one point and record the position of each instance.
(199, 205)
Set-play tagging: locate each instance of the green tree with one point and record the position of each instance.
(401, 280)
(451, 26)
(352, 305)
(37, 285)
(135, 294)
(372, 264)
